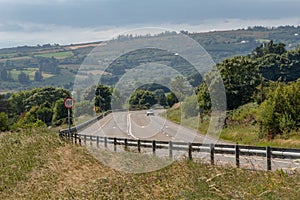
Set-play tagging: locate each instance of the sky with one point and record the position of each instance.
(32, 22)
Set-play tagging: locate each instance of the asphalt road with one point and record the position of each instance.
(137, 125)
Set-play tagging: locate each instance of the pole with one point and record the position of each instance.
(69, 122)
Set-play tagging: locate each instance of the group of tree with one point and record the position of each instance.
(248, 78)
(41, 105)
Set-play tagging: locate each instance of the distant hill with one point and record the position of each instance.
(28, 67)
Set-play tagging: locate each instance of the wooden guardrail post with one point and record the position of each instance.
(212, 153)
(125, 144)
(105, 142)
(237, 155)
(84, 138)
(269, 157)
(139, 146)
(190, 151)
(97, 141)
(154, 147)
(115, 144)
(170, 150)
(91, 140)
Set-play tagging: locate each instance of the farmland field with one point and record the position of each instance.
(57, 55)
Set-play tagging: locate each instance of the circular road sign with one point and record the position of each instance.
(68, 102)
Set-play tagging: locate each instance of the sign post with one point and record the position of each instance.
(69, 103)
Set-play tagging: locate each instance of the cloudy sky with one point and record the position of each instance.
(31, 22)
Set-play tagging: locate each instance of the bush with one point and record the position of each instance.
(3, 121)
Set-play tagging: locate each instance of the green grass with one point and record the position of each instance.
(29, 71)
(36, 164)
(247, 134)
(57, 55)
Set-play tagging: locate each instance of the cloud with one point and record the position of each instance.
(22, 33)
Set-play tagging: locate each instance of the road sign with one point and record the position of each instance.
(68, 102)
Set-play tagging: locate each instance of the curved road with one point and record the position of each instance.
(137, 125)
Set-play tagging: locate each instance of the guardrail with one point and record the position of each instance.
(72, 132)
(212, 149)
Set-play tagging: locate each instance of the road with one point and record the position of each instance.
(137, 125)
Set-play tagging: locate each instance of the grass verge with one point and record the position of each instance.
(247, 134)
(36, 164)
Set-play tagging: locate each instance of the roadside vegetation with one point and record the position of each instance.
(37, 164)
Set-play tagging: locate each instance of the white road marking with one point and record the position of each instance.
(129, 126)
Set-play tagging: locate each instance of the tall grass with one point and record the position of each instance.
(36, 164)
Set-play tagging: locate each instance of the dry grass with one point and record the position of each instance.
(36, 164)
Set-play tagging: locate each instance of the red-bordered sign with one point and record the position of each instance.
(68, 102)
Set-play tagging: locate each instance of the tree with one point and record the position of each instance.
(60, 113)
(171, 99)
(269, 48)
(3, 121)
(23, 78)
(240, 76)
(190, 106)
(142, 99)
(4, 75)
(45, 114)
(279, 113)
(103, 98)
(160, 97)
(38, 76)
(180, 88)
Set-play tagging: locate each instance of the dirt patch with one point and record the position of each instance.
(84, 46)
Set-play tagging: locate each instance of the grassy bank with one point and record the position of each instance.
(248, 134)
(36, 164)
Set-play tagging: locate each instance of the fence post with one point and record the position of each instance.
(154, 147)
(75, 138)
(139, 146)
(212, 154)
(91, 140)
(115, 144)
(170, 150)
(190, 151)
(269, 156)
(84, 139)
(97, 141)
(237, 155)
(105, 142)
(126, 144)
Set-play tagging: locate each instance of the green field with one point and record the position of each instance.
(57, 55)
(28, 71)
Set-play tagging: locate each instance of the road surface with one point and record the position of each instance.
(137, 125)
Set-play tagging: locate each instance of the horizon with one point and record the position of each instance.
(80, 21)
(142, 34)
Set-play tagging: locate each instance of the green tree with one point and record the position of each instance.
(240, 76)
(279, 113)
(45, 114)
(190, 106)
(269, 48)
(142, 99)
(3, 121)
(171, 99)
(180, 88)
(23, 78)
(84, 108)
(103, 98)
(60, 113)
(38, 76)
(160, 97)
